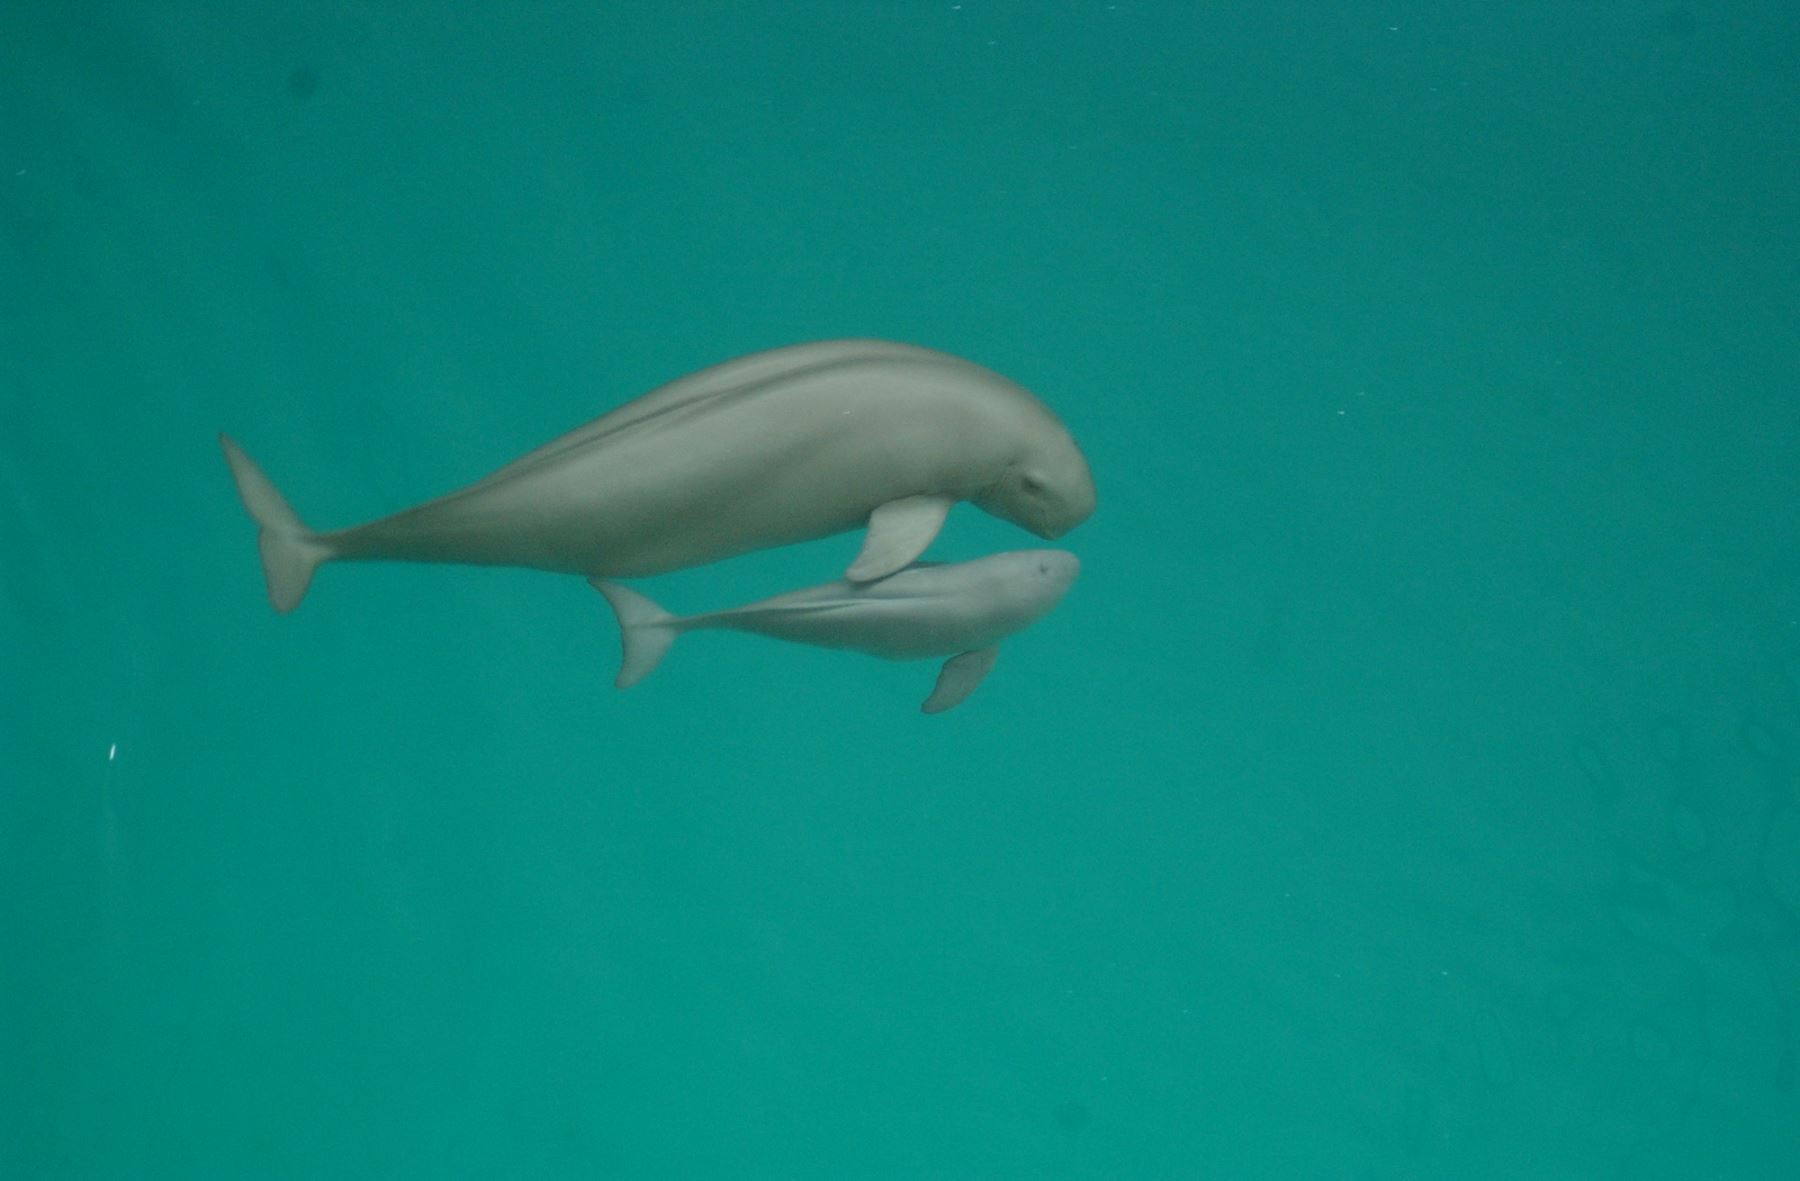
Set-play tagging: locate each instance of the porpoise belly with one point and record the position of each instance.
(647, 501)
(894, 629)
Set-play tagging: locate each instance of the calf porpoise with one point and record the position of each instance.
(961, 610)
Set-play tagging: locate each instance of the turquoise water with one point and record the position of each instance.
(1409, 788)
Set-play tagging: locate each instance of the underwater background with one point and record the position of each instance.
(1409, 788)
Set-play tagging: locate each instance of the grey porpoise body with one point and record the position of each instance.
(961, 610)
(765, 450)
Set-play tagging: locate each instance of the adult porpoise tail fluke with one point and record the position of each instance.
(962, 611)
(766, 450)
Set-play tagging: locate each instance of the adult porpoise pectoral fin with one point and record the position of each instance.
(958, 678)
(899, 531)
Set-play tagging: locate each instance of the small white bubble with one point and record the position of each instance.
(112, 752)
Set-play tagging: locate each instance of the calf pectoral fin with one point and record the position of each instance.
(899, 531)
(958, 678)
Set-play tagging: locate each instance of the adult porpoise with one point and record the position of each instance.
(772, 448)
(962, 610)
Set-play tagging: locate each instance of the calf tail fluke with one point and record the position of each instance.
(645, 631)
(290, 551)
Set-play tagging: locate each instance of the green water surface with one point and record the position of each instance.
(1410, 787)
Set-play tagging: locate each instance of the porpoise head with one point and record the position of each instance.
(1057, 568)
(1047, 488)
(1030, 580)
(1033, 580)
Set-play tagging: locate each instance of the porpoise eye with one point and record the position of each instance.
(1043, 567)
